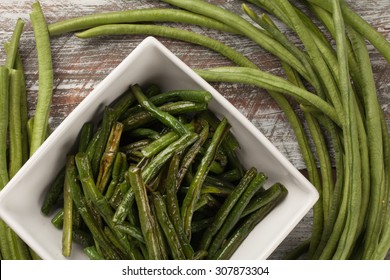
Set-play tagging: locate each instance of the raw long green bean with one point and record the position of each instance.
(169, 32)
(131, 16)
(269, 82)
(4, 117)
(375, 143)
(360, 25)
(245, 27)
(13, 44)
(15, 125)
(45, 77)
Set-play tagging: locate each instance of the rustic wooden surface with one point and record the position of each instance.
(79, 65)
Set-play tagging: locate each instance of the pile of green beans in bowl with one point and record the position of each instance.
(158, 178)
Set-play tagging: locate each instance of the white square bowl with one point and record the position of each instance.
(151, 62)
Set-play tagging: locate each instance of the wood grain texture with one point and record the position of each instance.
(80, 65)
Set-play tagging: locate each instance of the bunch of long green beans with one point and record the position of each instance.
(158, 179)
(18, 138)
(334, 87)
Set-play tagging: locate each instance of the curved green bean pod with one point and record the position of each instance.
(45, 77)
(131, 16)
(169, 32)
(360, 25)
(269, 82)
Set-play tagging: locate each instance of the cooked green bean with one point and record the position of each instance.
(68, 212)
(145, 132)
(122, 103)
(173, 207)
(161, 143)
(239, 235)
(90, 189)
(85, 136)
(164, 117)
(58, 219)
(225, 209)
(192, 196)
(147, 224)
(175, 108)
(90, 222)
(93, 253)
(82, 237)
(167, 226)
(192, 152)
(131, 230)
(264, 198)
(108, 157)
(124, 207)
(100, 145)
(151, 170)
(53, 194)
(117, 169)
(198, 96)
(235, 213)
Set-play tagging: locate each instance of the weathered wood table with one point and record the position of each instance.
(79, 65)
